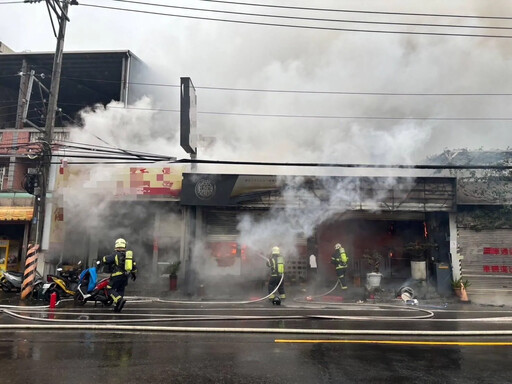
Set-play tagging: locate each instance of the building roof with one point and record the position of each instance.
(87, 78)
(469, 157)
(321, 171)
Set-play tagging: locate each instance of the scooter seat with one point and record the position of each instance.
(15, 274)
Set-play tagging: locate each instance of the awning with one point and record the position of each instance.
(16, 213)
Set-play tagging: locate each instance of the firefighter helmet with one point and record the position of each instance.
(337, 246)
(120, 243)
(275, 251)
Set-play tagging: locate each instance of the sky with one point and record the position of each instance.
(235, 55)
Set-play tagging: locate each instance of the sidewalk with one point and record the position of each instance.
(300, 292)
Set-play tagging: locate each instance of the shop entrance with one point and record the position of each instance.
(11, 241)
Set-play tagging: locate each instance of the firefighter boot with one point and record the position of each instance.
(119, 305)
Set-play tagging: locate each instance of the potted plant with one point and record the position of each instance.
(457, 285)
(373, 278)
(418, 254)
(172, 270)
(373, 259)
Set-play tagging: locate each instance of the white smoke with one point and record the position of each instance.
(350, 131)
(306, 205)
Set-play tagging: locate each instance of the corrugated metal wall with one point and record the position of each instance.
(487, 259)
(221, 225)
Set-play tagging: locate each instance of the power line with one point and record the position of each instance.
(357, 11)
(361, 117)
(314, 18)
(298, 26)
(323, 117)
(298, 91)
(341, 165)
(8, 106)
(116, 157)
(117, 81)
(154, 158)
(98, 148)
(119, 162)
(98, 151)
(448, 118)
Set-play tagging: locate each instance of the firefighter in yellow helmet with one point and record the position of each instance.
(276, 264)
(340, 260)
(122, 265)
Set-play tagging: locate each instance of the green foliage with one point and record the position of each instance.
(173, 268)
(486, 218)
(417, 251)
(457, 284)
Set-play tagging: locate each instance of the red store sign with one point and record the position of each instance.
(498, 252)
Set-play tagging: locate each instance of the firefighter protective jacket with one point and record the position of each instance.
(276, 264)
(339, 258)
(119, 262)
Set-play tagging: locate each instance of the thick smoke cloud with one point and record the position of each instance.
(252, 57)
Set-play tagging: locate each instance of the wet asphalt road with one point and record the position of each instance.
(224, 350)
(85, 357)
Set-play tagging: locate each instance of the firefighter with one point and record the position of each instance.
(276, 264)
(122, 265)
(340, 260)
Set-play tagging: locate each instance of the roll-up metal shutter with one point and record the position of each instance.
(487, 260)
(222, 225)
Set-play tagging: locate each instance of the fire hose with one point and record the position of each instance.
(225, 302)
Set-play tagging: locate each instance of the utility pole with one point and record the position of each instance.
(61, 12)
(43, 173)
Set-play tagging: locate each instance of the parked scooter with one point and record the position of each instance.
(64, 284)
(11, 281)
(90, 289)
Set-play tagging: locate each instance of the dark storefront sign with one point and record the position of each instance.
(207, 189)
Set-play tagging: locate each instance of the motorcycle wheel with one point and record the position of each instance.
(36, 291)
(106, 302)
(7, 286)
(78, 299)
(104, 298)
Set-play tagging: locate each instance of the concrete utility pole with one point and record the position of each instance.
(39, 206)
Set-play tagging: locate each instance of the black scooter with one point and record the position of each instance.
(64, 283)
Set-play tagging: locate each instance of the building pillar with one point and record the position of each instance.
(156, 236)
(455, 257)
